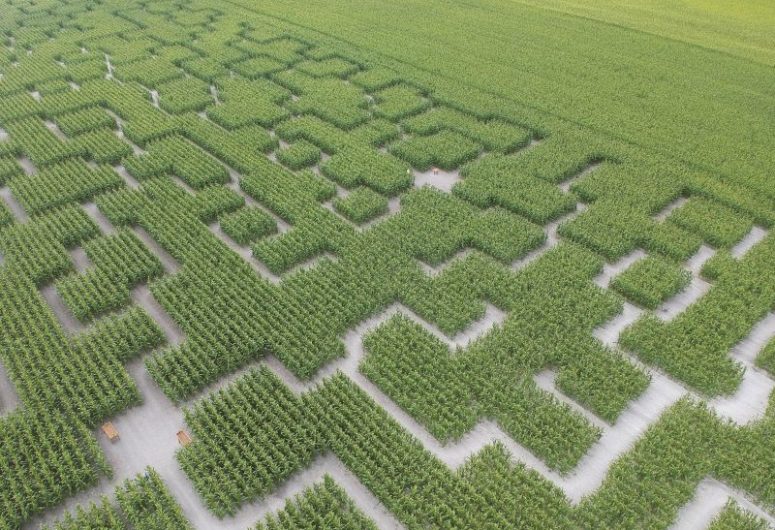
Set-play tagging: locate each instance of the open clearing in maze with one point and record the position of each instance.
(311, 287)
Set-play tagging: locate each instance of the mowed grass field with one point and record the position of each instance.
(665, 82)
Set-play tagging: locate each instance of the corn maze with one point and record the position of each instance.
(372, 298)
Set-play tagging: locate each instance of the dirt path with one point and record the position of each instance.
(9, 400)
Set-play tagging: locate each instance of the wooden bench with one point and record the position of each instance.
(110, 431)
(183, 438)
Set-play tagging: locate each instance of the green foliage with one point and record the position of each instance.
(521, 496)
(120, 206)
(148, 505)
(716, 224)
(301, 244)
(359, 166)
(693, 347)
(441, 389)
(260, 66)
(285, 49)
(399, 101)
(361, 205)
(435, 398)
(84, 120)
(176, 155)
(614, 229)
(647, 188)
(331, 100)
(501, 181)
(37, 249)
(85, 377)
(204, 68)
(150, 72)
(53, 86)
(41, 145)
(299, 155)
(123, 336)
(103, 146)
(318, 91)
(494, 135)
(248, 102)
(733, 517)
(31, 481)
(671, 484)
(120, 261)
(324, 505)
(213, 201)
(18, 106)
(503, 235)
(335, 67)
(686, 445)
(487, 68)
(90, 295)
(375, 78)
(722, 262)
(101, 516)
(144, 503)
(247, 224)
(6, 216)
(651, 281)
(261, 412)
(70, 181)
(447, 150)
(184, 95)
(421, 491)
(8, 169)
(241, 149)
(766, 358)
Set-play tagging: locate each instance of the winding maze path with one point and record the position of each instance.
(200, 166)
